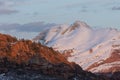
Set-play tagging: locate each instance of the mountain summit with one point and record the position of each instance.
(80, 24)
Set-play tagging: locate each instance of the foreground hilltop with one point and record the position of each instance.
(95, 50)
(27, 60)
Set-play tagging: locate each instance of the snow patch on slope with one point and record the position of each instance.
(105, 67)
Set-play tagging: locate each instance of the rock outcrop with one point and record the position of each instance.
(27, 60)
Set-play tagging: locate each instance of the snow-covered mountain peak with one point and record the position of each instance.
(83, 44)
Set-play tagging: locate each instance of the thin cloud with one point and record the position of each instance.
(35, 26)
(6, 7)
(84, 10)
(35, 13)
(26, 31)
(81, 7)
(74, 5)
(7, 11)
(116, 8)
(29, 27)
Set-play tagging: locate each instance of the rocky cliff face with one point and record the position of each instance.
(27, 60)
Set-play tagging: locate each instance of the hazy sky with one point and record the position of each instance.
(96, 13)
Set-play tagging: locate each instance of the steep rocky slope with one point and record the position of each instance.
(27, 60)
(96, 50)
